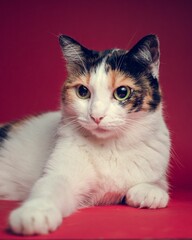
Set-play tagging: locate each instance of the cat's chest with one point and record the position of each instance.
(110, 166)
(116, 170)
(111, 182)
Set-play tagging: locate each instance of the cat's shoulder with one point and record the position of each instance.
(33, 123)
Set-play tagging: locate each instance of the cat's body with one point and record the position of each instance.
(116, 165)
(24, 154)
(109, 142)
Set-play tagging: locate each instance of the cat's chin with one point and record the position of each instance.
(102, 133)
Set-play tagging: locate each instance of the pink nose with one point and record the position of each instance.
(97, 119)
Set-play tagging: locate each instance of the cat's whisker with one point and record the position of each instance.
(132, 122)
(68, 124)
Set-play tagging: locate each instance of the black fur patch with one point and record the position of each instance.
(156, 96)
(137, 105)
(156, 100)
(96, 58)
(4, 130)
(116, 59)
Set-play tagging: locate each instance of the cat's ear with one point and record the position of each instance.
(145, 55)
(75, 54)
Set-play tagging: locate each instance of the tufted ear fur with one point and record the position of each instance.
(144, 56)
(75, 55)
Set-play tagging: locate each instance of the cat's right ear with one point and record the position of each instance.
(75, 54)
(145, 55)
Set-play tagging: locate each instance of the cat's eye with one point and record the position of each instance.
(83, 92)
(122, 93)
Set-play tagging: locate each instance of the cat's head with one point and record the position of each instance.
(106, 91)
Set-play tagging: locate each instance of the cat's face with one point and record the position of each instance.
(105, 92)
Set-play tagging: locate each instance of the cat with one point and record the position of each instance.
(108, 143)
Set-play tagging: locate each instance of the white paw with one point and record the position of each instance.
(35, 217)
(147, 196)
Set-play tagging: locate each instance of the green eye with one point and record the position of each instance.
(83, 92)
(122, 93)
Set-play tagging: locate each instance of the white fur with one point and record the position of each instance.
(24, 153)
(72, 162)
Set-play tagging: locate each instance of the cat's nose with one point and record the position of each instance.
(96, 119)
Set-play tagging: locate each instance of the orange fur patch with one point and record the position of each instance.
(68, 90)
(117, 79)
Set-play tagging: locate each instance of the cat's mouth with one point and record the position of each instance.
(101, 130)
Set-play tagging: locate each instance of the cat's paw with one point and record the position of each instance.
(147, 196)
(35, 217)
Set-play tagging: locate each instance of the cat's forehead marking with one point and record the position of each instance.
(98, 78)
(105, 77)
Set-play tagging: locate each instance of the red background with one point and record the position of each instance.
(32, 69)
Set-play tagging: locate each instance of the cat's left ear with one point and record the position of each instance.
(145, 54)
(75, 54)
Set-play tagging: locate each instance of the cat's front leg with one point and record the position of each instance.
(49, 202)
(146, 195)
(54, 196)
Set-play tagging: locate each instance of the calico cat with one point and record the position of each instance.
(108, 143)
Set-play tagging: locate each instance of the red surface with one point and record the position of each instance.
(118, 222)
(32, 72)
